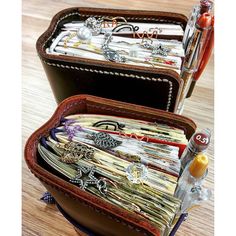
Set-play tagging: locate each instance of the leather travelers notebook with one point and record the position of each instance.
(147, 86)
(100, 216)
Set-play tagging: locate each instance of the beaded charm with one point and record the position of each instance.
(48, 198)
(74, 151)
(85, 177)
(136, 173)
(105, 141)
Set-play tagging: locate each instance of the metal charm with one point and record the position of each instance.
(158, 49)
(136, 173)
(125, 28)
(102, 186)
(92, 27)
(48, 198)
(159, 30)
(147, 43)
(109, 123)
(110, 54)
(85, 177)
(68, 158)
(75, 151)
(105, 141)
(95, 25)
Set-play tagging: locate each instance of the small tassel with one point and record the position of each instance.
(71, 130)
(48, 198)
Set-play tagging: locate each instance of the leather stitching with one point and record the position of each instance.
(120, 74)
(115, 73)
(56, 119)
(94, 208)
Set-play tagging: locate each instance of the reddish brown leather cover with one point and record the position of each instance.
(152, 87)
(101, 217)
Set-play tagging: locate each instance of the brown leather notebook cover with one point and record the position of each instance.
(88, 210)
(68, 75)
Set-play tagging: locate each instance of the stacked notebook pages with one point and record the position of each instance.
(133, 164)
(115, 39)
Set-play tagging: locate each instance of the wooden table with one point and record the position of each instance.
(39, 104)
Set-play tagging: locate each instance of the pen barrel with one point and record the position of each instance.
(190, 27)
(187, 78)
(191, 54)
(203, 7)
(195, 51)
(191, 88)
(199, 52)
(204, 57)
(190, 63)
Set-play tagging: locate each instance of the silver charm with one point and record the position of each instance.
(105, 141)
(75, 151)
(102, 186)
(110, 54)
(109, 125)
(146, 44)
(125, 27)
(85, 177)
(92, 27)
(158, 49)
(95, 25)
(136, 173)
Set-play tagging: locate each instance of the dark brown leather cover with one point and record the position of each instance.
(101, 217)
(152, 87)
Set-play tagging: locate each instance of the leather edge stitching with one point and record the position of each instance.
(120, 74)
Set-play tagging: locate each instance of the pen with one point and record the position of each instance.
(190, 27)
(204, 59)
(205, 6)
(191, 59)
